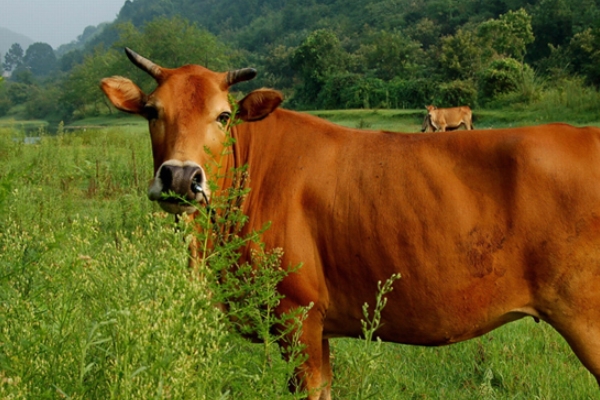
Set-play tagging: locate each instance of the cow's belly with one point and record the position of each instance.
(433, 304)
(429, 322)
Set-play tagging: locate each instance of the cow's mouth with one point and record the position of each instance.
(175, 206)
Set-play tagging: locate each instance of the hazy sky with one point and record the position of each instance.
(56, 22)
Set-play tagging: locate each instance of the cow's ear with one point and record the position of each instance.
(124, 94)
(258, 104)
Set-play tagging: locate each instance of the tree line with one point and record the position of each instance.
(328, 54)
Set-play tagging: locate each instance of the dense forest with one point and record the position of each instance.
(326, 54)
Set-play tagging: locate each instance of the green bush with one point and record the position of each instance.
(348, 91)
(415, 93)
(368, 93)
(502, 76)
(457, 93)
(338, 92)
(42, 102)
(5, 105)
(18, 93)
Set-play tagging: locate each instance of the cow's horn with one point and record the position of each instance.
(240, 75)
(144, 64)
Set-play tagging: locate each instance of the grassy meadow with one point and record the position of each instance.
(96, 301)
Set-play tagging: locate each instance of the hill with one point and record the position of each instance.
(347, 54)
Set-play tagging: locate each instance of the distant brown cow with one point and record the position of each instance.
(484, 229)
(447, 119)
(428, 127)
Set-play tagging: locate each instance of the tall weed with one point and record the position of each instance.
(96, 299)
(571, 100)
(537, 101)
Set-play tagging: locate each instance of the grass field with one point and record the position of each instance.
(96, 300)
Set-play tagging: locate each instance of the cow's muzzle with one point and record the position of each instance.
(178, 185)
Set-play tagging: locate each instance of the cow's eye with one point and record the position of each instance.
(223, 118)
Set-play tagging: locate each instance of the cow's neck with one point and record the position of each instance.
(230, 162)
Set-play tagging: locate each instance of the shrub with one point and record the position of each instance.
(353, 91)
(19, 93)
(458, 93)
(5, 105)
(42, 102)
(416, 93)
(502, 76)
(368, 93)
(336, 92)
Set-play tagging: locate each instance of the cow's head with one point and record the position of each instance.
(188, 114)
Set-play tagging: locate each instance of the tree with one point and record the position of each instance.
(81, 87)
(22, 75)
(392, 54)
(18, 93)
(584, 55)
(40, 59)
(13, 57)
(5, 103)
(424, 31)
(552, 22)
(508, 35)
(320, 56)
(88, 32)
(463, 55)
(70, 59)
(586, 15)
(170, 42)
(42, 103)
(276, 63)
(502, 76)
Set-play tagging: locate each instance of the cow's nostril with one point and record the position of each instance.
(196, 185)
(196, 188)
(166, 176)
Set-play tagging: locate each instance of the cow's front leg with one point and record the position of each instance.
(314, 375)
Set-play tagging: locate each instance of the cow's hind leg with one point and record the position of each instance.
(582, 333)
(570, 302)
(585, 343)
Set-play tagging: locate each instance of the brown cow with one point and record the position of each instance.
(447, 119)
(484, 229)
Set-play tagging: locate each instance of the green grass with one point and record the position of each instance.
(522, 360)
(96, 300)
